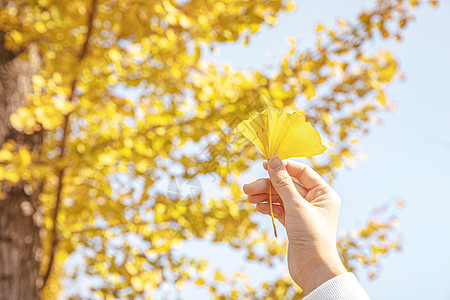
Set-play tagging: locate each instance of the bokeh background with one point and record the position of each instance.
(121, 168)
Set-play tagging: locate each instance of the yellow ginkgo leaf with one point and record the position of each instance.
(278, 133)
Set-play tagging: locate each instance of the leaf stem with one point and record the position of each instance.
(271, 210)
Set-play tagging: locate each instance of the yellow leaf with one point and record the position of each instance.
(12, 176)
(290, 6)
(38, 82)
(271, 20)
(219, 277)
(5, 155)
(142, 165)
(309, 91)
(40, 27)
(16, 36)
(291, 40)
(327, 118)
(336, 160)
(434, 3)
(278, 133)
(43, 3)
(381, 98)
(114, 54)
(22, 119)
(24, 156)
(131, 269)
(107, 158)
(136, 282)
(64, 106)
(319, 27)
(341, 22)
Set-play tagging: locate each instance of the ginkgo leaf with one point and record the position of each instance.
(278, 133)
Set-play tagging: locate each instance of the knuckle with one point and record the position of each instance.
(327, 191)
(282, 179)
(321, 190)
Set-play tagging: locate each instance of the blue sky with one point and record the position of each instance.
(409, 154)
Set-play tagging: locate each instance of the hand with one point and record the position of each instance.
(309, 210)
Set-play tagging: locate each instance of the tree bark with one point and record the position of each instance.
(20, 218)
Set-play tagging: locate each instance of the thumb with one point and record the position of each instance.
(282, 182)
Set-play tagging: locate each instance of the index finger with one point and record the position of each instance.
(304, 174)
(262, 186)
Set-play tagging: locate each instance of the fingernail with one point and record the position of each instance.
(275, 163)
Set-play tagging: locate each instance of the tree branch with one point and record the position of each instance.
(54, 238)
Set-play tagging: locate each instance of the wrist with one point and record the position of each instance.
(312, 274)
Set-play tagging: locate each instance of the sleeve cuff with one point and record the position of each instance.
(341, 287)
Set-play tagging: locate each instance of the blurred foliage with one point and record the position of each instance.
(95, 137)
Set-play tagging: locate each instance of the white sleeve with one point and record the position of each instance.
(341, 287)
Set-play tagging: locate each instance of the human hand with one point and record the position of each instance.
(309, 210)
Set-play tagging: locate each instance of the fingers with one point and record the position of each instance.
(261, 186)
(255, 199)
(278, 211)
(283, 184)
(258, 186)
(304, 173)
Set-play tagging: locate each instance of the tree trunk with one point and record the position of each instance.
(20, 219)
